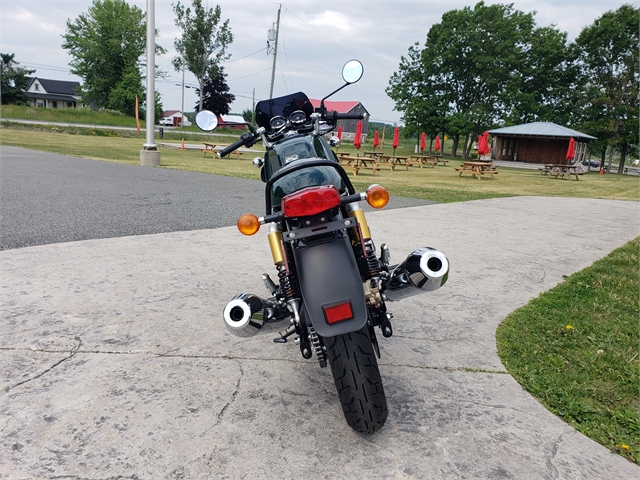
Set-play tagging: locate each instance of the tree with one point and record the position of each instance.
(13, 80)
(483, 66)
(203, 43)
(215, 95)
(107, 44)
(609, 55)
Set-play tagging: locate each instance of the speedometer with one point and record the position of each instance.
(297, 117)
(277, 122)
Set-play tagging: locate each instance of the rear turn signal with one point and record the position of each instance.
(248, 224)
(338, 313)
(377, 196)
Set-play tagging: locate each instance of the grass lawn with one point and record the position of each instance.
(439, 184)
(575, 348)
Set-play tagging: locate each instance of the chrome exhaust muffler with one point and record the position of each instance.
(246, 314)
(425, 269)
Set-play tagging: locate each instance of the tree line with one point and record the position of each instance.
(490, 65)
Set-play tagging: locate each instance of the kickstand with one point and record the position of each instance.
(283, 335)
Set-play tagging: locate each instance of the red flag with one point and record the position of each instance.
(340, 132)
(357, 139)
(423, 141)
(437, 143)
(571, 151)
(396, 137)
(137, 119)
(376, 139)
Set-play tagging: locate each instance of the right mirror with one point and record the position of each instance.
(206, 120)
(352, 71)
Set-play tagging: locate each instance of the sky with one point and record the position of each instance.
(316, 39)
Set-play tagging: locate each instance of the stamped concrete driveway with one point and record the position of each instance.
(115, 362)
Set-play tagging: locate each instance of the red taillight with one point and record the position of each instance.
(310, 201)
(338, 313)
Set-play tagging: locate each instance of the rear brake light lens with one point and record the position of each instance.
(377, 196)
(338, 313)
(248, 224)
(310, 201)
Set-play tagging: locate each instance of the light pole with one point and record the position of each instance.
(149, 155)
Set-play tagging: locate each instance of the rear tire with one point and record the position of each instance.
(357, 378)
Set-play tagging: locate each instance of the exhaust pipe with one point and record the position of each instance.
(246, 314)
(425, 269)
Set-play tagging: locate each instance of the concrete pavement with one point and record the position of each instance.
(116, 364)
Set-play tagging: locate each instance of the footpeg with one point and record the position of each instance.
(283, 335)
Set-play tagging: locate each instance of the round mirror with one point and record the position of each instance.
(206, 120)
(352, 71)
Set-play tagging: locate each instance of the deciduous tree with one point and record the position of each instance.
(13, 80)
(609, 55)
(107, 43)
(203, 44)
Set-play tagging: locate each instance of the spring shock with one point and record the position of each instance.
(289, 285)
(368, 264)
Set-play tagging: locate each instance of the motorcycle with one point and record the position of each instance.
(332, 287)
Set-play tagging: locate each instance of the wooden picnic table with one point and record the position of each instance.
(373, 154)
(477, 169)
(560, 169)
(392, 161)
(212, 148)
(432, 160)
(358, 163)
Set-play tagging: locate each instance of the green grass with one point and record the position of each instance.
(439, 184)
(575, 348)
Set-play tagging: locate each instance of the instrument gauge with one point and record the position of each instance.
(277, 122)
(297, 117)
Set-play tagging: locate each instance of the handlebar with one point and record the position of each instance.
(334, 116)
(244, 139)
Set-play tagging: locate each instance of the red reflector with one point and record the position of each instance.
(338, 313)
(310, 201)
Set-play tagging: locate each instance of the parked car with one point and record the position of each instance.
(167, 121)
(593, 163)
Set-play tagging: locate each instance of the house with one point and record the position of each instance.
(538, 142)
(348, 126)
(174, 118)
(47, 93)
(234, 122)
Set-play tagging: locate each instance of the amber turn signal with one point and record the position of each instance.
(377, 196)
(248, 224)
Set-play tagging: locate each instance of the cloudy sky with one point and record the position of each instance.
(316, 39)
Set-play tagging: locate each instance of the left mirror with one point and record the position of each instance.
(206, 120)
(352, 71)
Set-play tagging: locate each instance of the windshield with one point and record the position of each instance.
(307, 177)
(281, 107)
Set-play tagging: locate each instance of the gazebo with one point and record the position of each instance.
(538, 142)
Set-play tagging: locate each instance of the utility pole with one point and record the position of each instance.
(275, 53)
(253, 109)
(182, 111)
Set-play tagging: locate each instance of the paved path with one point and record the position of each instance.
(115, 362)
(47, 198)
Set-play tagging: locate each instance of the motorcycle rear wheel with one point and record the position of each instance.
(357, 378)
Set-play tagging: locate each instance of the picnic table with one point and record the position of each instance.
(212, 148)
(477, 169)
(373, 154)
(427, 159)
(358, 163)
(560, 169)
(392, 161)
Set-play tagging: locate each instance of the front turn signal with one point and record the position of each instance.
(377, 196)
(248, 224)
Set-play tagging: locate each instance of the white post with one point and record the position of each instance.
(150, 156)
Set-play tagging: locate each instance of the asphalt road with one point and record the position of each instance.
(47, 198)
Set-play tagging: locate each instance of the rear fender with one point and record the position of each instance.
(328, 275)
